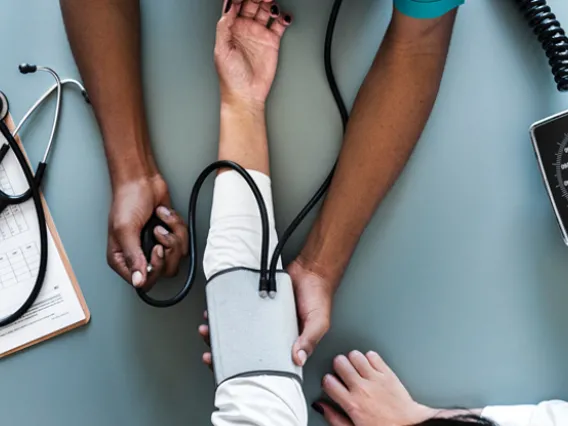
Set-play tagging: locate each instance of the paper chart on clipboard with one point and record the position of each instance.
(60, 305)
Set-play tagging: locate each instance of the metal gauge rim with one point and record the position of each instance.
(559, 171)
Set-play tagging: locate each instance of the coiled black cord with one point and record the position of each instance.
(551, 35)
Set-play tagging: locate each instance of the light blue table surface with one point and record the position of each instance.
(461, 280)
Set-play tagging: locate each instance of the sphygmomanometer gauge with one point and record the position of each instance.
(550, 141)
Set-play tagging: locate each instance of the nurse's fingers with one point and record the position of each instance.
(176, 224)
(377, 362)
(362, 365)
(125, 255)
(173, 251)
(280, 25)
(330, 414)
(156, 266)
(267, 11)
(335, 390)
(346, 372)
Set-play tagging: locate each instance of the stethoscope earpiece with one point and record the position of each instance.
(27, 68)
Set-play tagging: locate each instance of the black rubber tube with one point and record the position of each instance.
(192, 210)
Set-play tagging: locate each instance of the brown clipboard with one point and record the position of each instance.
(66, 263)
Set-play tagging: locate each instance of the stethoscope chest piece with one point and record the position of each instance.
(4, 106)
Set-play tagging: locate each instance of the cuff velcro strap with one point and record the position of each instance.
(251, 336)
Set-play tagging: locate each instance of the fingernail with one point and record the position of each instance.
(137, 279)
(228, 6)
(317, 408)
(162, 230)
(303, 356)
(164, 211)
(274, 10)
(160, 251)
(288, 19)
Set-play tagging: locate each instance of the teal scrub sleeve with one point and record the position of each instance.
(426, 9)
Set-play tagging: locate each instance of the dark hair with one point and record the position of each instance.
(462, 420)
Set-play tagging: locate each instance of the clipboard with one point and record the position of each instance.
(76, 290)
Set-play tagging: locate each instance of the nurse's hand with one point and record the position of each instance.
(370, 394)
(246, 49)
(314, 300)
(132, 206)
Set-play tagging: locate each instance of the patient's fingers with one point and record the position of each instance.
(232, 8)
(249, 8)
(266, 11)
(280, 25)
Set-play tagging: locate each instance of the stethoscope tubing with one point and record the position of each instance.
(34, 181)
(42, 224)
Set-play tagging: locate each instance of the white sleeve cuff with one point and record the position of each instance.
(260, 401)
(547, 413)
(518, 415)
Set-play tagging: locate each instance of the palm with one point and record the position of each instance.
(246, 56)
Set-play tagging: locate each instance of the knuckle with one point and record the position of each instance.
(352, 408)
(161, 187)
(353, 355)
(120, 227)
(325, 325)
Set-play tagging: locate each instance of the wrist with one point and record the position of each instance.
(235, 105)
(327, 251)
(129, 165)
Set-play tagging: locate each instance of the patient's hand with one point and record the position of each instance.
(246, 50)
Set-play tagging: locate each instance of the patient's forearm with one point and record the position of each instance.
(389, 114)
(243, 136)
(105, 39)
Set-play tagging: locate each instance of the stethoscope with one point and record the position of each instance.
(34, 180)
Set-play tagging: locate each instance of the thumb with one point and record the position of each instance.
(136, 262)
(230, 13)
(332, 416)
(314, 328)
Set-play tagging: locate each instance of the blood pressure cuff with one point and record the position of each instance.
(426, 9)
(250, 335)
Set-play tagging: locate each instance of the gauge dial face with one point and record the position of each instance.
(550, 140)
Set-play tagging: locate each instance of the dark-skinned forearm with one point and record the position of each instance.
(105, 39)
(388, 117)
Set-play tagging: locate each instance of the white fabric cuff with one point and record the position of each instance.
(517, 415)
